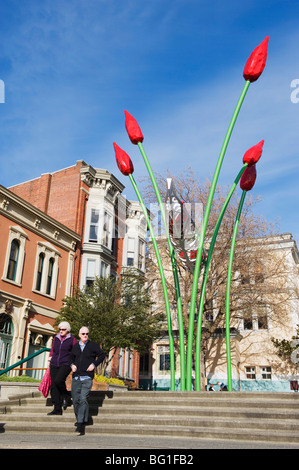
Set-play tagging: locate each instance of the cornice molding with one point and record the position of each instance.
(28, 216)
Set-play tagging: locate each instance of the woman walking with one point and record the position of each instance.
(60, 368)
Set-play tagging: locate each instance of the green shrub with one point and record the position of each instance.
(20, 378)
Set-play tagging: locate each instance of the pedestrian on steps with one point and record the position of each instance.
(85, 356)
(60, 367)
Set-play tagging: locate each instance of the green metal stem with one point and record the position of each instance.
(202, 236)
(174, 270)
(23, 360)
(227, 297)
(163, 280)
(206, 272)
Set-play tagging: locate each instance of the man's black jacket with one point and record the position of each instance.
(91, 354)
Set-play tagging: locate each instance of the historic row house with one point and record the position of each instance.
(111, 231)
(36, 272)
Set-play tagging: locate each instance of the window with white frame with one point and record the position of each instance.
(13, 260)
(90, 272)
(141, 254)
(104, 269)
(254, 320)
(40, 268)
(164, 359)
(46, 269)
(106, 238)
(130, 251)
(94, 225)
(266, 372)
(250, 372)
(15, 255)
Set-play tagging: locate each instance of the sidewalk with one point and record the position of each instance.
(108, 442)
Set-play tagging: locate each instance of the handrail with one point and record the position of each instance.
(29, 368)
(24, 360)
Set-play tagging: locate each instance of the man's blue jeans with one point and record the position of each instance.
(80, 394)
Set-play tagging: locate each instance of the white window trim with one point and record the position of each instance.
(107, 214)
(49, 252)
(15, 233)
(88, 225)
(105, 270)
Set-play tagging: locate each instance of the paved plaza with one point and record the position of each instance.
(109, 442)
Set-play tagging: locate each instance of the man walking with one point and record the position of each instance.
(85, 356)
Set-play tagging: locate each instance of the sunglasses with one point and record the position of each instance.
(85, 334)
(62, 329)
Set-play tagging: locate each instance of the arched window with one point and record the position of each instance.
(46, 269)
(40, 271)
(50, 275)
(13, 260)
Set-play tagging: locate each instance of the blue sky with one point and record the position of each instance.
(71, 68)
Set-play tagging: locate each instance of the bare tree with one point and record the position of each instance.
(262, 278)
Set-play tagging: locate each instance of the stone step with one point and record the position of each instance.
(261, 417)
(220, 403)
(207, 421)
(156, 409)
(180, 398)
(148, 430)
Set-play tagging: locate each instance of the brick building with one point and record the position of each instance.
(112, 230)
(36, 265)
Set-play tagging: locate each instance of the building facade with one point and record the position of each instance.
(36, 266)
(112, 230)
(271, 311)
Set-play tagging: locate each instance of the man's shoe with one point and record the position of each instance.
(55, 412)
(80, 429)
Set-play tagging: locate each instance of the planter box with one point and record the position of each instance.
(9, 389)
(111, 387)
(99, 386)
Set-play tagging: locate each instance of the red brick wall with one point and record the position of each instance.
(35, 191)
(58, 194)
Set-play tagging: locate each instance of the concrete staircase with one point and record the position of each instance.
(239, 416)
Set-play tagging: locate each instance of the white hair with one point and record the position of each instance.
(66, 325)
(80, 331)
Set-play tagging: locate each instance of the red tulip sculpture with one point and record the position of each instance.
(126, 167)
(133, 129)
(252, 155)
(136, 137)
(253, 69)
(247, 181)
(248, 178)
(248, 175)
(123, 161)
(256, 62)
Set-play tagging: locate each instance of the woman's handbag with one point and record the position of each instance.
(45, 384)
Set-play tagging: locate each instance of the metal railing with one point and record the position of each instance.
(14, 366)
